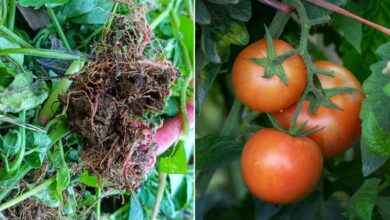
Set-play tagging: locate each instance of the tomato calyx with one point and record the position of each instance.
(271, 67)
(295, 131)
(325, 99)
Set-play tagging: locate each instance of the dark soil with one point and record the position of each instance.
(31, 210)
(111, 95)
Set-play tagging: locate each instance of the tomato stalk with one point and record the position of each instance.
(327, 5)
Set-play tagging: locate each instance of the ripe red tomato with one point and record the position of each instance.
(280, 168)
(341, 127)
(267, 95)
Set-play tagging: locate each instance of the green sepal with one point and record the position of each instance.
(270, 69)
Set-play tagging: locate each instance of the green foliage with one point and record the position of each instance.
(363, 201)
(215, 151)
(174, 160)
(353, 185)
(374, 113)
(360, 62)
(5, 44)
(23, 94)
(39, 3)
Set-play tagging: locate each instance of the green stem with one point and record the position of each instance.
(56, 54)
(187, 59)
(51, 106)
(11, 15)
(161, 186)
(161, 16)
(189, 8)
(118, 213)
(20, 156)
(175, 27)
(58, 27)
(14, 37)
(183, 104)
(4, 10)
(89, 38)
(62, 154)
(27, 194)
(107, 28)
(97, 207)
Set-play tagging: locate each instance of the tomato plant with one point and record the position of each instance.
(279, 168)
(344, 106)
(341, 127)
(268, 93)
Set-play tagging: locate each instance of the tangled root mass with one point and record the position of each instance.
(111, 95)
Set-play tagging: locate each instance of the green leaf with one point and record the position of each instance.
(62, 180)
(39, 3)
(383, 204)
(234, 33)
(10, 143)
(315, 12)
(209, 46)
(49, 196)
(171, 107)
(6, 76)
(214, 151)
(176, 163)
(370, 161)
(205, 75)
(386, 89)
(349, 28)
(377, 140)
(86, 179)
(98, 15)
(359, 63)
(375, 114)
(75, 8)
(186, 31)
(135, 211)
(202, 13)
(241, 11)
(37, 146)
(362, 202)
(22, 94)
(6, 44)
(70, 207)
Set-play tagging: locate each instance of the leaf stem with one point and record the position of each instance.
(4, 10)
(107, 28)
(187, 59)
(164, 14)
(97, 207)
(14, 37)
(51, 106)
(20, 156)
(344, 12)
(58, 27)
(90, 37)
(161, 186)
(27, 194)
(56, 54)
(11, 15)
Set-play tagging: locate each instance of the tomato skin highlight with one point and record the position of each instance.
(342, 128)
(279, 168)
(267, 95)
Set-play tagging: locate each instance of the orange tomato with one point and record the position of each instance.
(280, 168)
(267, 95)
(341, 127)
